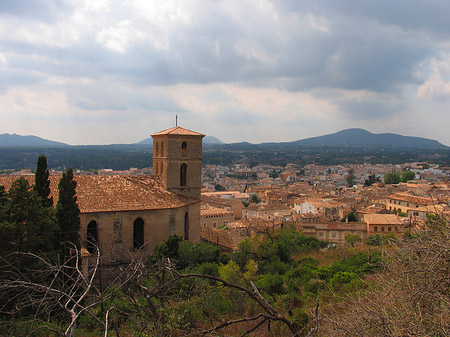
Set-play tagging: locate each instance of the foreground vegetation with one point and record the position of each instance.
(272, 285)
(280, 283)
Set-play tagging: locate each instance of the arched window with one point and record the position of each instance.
(186, 226)
(156, 168)
(138, 233)
(92, 237)
(156, 149)
(162, 149)
(161, 168)
(183, 173)
(184, 149)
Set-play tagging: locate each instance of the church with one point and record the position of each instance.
(127, 216)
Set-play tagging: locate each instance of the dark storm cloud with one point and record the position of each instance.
(360, 48)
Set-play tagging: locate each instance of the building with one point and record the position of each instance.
(334, 232)
(403, 202)
(384, 224)
(212, 217)
(267, 212)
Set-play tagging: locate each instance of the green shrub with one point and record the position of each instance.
(272, 283)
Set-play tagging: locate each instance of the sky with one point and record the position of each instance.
(106, 71)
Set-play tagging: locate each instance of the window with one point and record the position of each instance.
(382, 229)
(92, 237)
(162, 149)
(161, 168)
(156, 149)
(156, 169)
(186, 226)
(138, 233)
(375, 229)
(389, 229)
(184, 149)
(183, 173)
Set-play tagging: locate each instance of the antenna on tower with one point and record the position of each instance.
(176, 120)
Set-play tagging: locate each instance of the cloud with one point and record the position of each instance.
(276, 63)
(437, 86)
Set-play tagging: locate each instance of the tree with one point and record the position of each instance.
(372, 179)
(26, 224)
(254, 199)
(42, 183)
(67, 210)
(392, 178)
(55, 297)
(351, 178)
(407, 176)
(219, 187)
(352, 239)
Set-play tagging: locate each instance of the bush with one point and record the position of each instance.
(272, 283)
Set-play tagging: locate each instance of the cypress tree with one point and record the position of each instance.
(28, 226)
(42, 183)
(67, 211)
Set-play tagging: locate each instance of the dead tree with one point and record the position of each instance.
(52, 289)
(166, 278)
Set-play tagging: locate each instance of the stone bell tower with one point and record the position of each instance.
(177, 159)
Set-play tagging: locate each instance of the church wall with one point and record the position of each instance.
(115, 230)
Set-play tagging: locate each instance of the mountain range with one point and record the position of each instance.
(346, 138)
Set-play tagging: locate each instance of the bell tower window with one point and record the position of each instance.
(183, 174)
(184, 149)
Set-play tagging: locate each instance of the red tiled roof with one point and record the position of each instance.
(116, 193)
(406, 197)
(382, 219)
(176, 130)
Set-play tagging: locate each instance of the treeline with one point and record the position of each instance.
(122, 157)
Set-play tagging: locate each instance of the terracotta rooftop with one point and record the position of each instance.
(382, 219)
(406, 197)
(115, 193)
(214, 211)
(176, 130)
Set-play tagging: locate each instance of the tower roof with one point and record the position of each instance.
(176, 130)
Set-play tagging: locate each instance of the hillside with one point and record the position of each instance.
(14, 140)
(361, 137)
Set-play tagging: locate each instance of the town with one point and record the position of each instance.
(325, 202)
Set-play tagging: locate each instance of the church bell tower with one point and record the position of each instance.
(177, 159)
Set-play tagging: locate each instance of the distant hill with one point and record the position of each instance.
(14, 140)
(146, 141)
(344, 138)
(361, 137)
(206, 140)
(211, 140)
